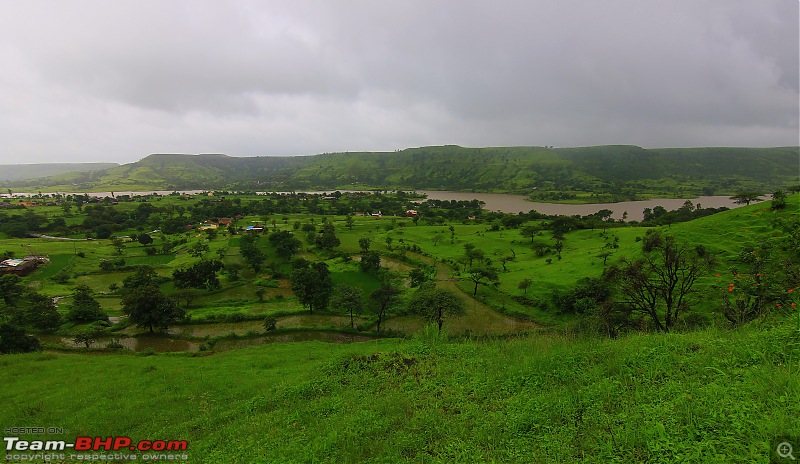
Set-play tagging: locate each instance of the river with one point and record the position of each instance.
(509, 203)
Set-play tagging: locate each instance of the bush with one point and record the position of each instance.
(270, 323)
(14, 340)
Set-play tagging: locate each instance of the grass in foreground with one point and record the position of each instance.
(708, 396)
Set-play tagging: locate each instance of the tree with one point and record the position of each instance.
(524, 285)
(285, 243)
(530, 231)
(370, 262)
(251, 253)
(198, 249)
(434, 304)
(14, 340)
(383, 298)
(364, 243)
(778, 200)
(746, 197)
(87, 337)
(312, 284)
(348, 221)
(84, 307)
(418, 276)
(349, 298)
(144, 239)
(233, 270)
(10, 288)
(604, 255)
(558, 247)
(505, 260)
(202, 275)
(144, 303)
(327, 239)
(482, 275)
(36, 310)
(270, 323)
(118, 243)
(661, 283)
(188, 295)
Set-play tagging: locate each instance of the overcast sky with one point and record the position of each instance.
(85, 81)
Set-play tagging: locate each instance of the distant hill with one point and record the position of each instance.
(16, 172)
(617, 169)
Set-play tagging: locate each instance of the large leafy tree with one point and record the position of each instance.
(312, 284)
(251, 252)
(202, 275)
(482, 275)
(370, 262)
(436, 304)
(145, 304)
(14, 340)
(746, 197)
(349, 298)
(84, 307)
(660, 284)
(384, 299)
(37, 311)
(10, 289)
(327, 239)
(285, 243)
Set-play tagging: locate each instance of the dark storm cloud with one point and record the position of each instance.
(95, 80)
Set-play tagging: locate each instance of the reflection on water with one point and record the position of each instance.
(143, 342)
(161, 343)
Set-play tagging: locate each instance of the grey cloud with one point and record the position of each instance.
(95, 80)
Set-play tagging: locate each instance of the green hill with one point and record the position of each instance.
(625, 171)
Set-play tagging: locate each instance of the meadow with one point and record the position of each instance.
(405, 245)
(514, 380)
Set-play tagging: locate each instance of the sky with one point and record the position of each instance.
(114, 81)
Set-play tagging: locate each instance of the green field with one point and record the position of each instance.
(513, 380)
(708, 396)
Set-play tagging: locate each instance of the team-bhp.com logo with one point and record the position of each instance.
(95, 444)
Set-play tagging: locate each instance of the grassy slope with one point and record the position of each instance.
(709, 396)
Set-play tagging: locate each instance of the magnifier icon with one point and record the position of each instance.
(785, 450)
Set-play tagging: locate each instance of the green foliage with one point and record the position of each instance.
(621, 172)
(145, 304)
(270, 322)
(285, 243)
(312, 284)
(436, 304)
(348, 298)
(660, 284)
(384, 300)
(144, 239)
(250, 251)
(202, 275)
(84, 308)
(370, 262)
(327, 238)
(14, 340)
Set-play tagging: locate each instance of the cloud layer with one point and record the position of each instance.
(115, 81)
